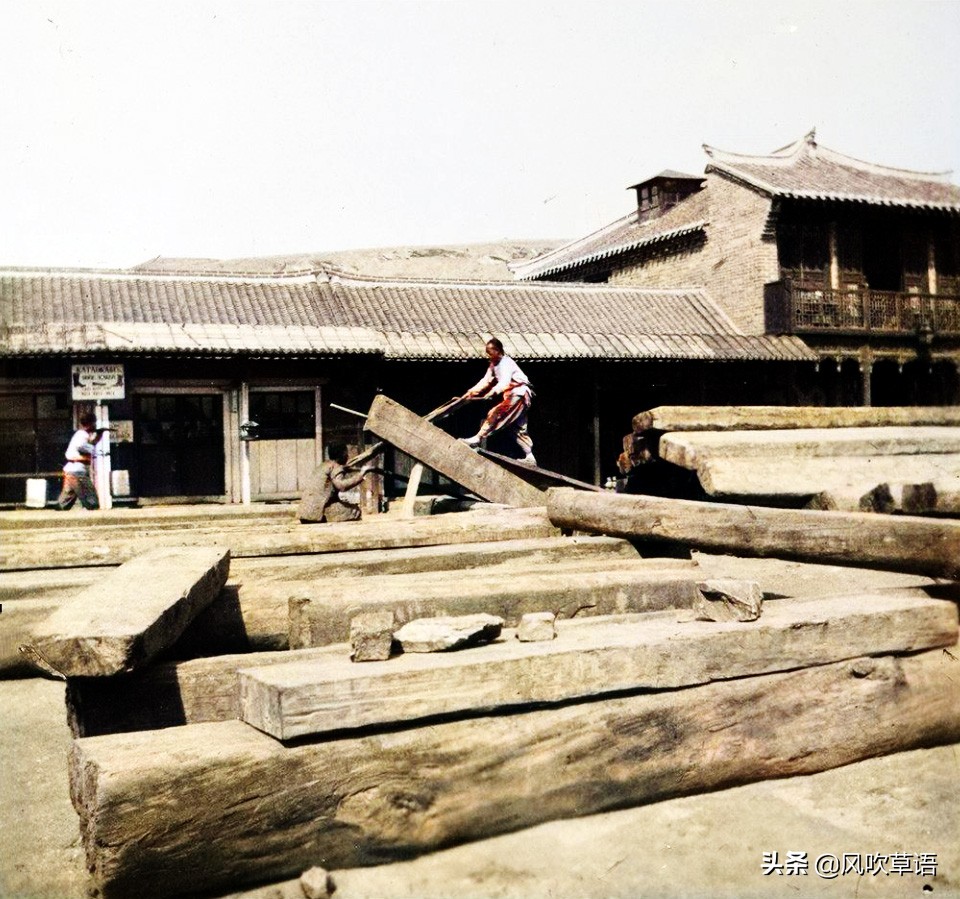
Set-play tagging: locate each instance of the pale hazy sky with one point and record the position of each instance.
(223, 129)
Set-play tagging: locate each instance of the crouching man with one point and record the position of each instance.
(322, 501)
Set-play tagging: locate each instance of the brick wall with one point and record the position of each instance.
(739, 261)
(733, 263)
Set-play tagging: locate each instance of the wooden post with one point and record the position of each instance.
(413, 485)
(371, 491)
(866, 369)
(245, 446)
(102, 458)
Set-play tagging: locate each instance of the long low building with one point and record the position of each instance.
(182, 362)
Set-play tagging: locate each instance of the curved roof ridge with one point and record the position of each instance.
(347, 279)
(807, 147)
(136, 275)
(880, 169)
(632, 215)
(784, 156)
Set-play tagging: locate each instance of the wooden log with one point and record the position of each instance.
(103, 631)
(904, 543)
(32, 520)
(436, 449)
(416, 559)
(541, 478)
(690, 449)
(798, 478)
(58, 584)
(169, 694)
(322, 616)
(380, 532)
(218, 806)
(18, 621)
(588, 658)
(250, 614)
(748, 418)
(253, 614)
(206, 689)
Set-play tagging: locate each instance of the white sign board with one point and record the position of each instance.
(98, 382)
(121, 432)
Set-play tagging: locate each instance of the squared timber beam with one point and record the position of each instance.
(436, 449)
(130, 614)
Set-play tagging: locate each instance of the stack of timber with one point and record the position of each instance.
(844, 458)
(224, 738)
(340, 764)
(43, 564)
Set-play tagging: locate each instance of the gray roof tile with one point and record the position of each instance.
(54, 312)
(806, 170)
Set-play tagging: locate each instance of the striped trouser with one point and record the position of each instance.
(78, 486)
(510, 413)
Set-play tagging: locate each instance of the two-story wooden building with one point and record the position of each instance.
(861, 261)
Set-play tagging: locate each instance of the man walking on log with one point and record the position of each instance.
(322, 500)
(504, 379)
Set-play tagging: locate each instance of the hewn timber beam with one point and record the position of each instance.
(588, 657)
(436, 449)
(381, 532)
(690, 449)
(904, 543)
(322, 614)
(132, 614)
(218, 806)
(744, 418)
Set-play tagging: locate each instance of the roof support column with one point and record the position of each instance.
(596, 427)
(834, 256)
(866, 370)
(245, 445)
(931, 264)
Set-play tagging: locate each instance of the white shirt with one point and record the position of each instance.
(79, 447)
(501, 375)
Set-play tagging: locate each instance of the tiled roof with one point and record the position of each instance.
(622, 236)
(50, 311)
(549, 321)
(669, 173)
(62, 312)
(806, 170)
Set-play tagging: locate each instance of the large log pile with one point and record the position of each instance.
(247, 745)
(844, 458)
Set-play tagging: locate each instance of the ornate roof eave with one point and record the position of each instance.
(617, 250)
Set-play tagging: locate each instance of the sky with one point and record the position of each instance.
(130, 130)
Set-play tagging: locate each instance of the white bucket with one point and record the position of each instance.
(36, 493)
(120, 482)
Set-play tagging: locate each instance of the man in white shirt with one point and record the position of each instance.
(505, 379)
(77, 477)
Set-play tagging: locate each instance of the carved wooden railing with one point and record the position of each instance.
(792, 309)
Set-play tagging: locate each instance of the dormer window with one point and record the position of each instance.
(657, 195)
(649, 197)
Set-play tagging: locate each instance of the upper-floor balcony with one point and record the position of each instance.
(791, 308)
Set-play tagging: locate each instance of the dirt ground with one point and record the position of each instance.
(700, 846)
